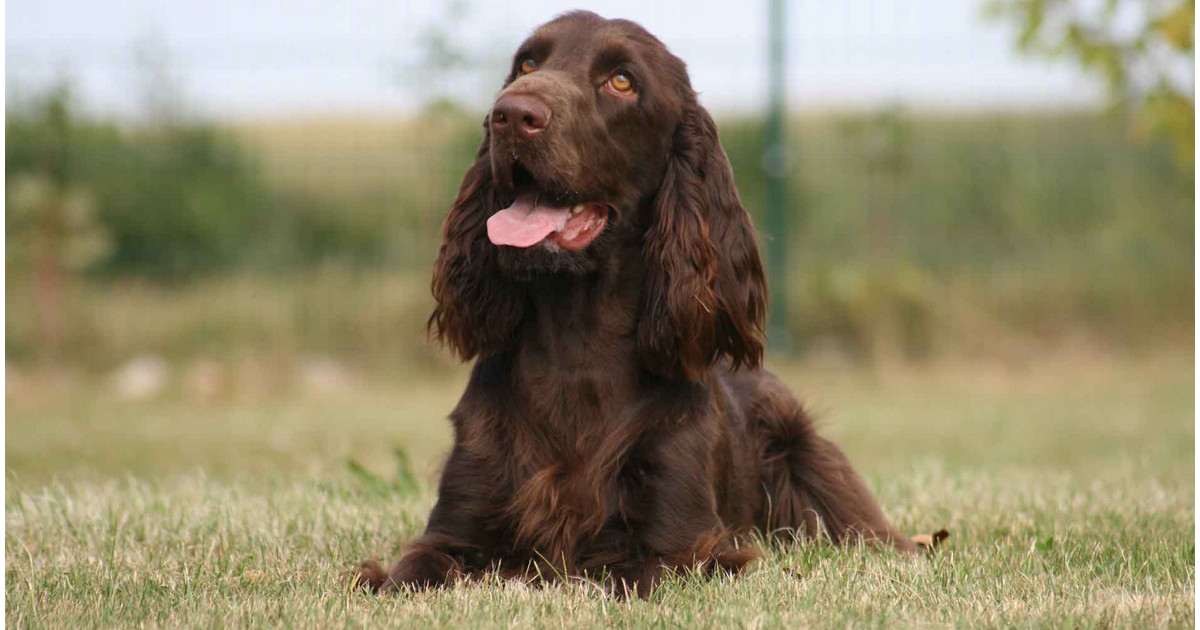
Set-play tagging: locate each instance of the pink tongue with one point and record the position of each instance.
(523, 224)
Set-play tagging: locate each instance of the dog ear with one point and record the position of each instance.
(705, 296)
(477, 309)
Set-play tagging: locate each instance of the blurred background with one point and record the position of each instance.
(221, 216)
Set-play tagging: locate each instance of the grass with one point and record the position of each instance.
(1066, 481)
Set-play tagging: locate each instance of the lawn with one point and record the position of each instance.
(1066, 481)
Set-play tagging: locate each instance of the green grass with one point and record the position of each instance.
(1067, 483)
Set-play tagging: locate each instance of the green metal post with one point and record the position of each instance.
(775, 163)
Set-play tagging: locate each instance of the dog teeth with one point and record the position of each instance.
(576, 210)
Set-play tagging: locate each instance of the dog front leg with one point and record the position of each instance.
(454, 541)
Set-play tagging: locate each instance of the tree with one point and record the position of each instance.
(1143, 49)
(51, 226)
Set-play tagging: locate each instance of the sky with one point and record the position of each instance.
(271, 57)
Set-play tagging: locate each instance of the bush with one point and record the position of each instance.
(177, 199)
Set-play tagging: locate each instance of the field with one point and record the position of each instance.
(1065, 479)
(991, 311)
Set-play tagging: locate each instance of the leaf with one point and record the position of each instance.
(1178, 26)
(406, 481)
(370, 481)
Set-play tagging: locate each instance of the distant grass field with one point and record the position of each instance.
(1066, 481)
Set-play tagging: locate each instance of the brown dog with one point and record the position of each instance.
(600, 267)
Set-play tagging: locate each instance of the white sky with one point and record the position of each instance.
(264, 57)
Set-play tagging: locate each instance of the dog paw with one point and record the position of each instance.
(369, 576)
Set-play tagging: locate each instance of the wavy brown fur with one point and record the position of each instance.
(617, 423)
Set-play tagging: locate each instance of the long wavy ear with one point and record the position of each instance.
(477, 309)
(705, 296)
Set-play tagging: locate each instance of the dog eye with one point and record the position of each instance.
(528, 65)
(621, 83)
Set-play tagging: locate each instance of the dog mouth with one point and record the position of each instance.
(537, 216)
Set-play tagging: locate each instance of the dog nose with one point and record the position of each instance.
(522, 115)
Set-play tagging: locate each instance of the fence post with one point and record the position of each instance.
(775, 163)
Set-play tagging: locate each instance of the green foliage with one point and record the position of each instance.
(915, 233)
(180, 201)
(47, 219)
(404, 483)
(50, 220)
(174, 200)
(1143, 49)
(169, 200)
